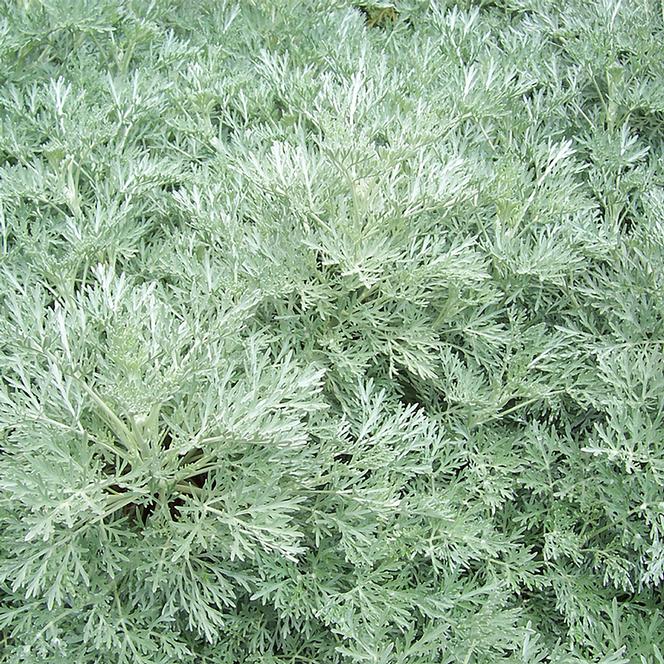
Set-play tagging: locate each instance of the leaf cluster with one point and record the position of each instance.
(331, 332)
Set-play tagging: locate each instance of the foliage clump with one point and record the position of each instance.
(331, 332)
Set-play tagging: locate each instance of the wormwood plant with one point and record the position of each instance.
(331, 332)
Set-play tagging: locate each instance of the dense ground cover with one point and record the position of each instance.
(331, 333)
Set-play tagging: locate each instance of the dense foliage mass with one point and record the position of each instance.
(331, 332)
